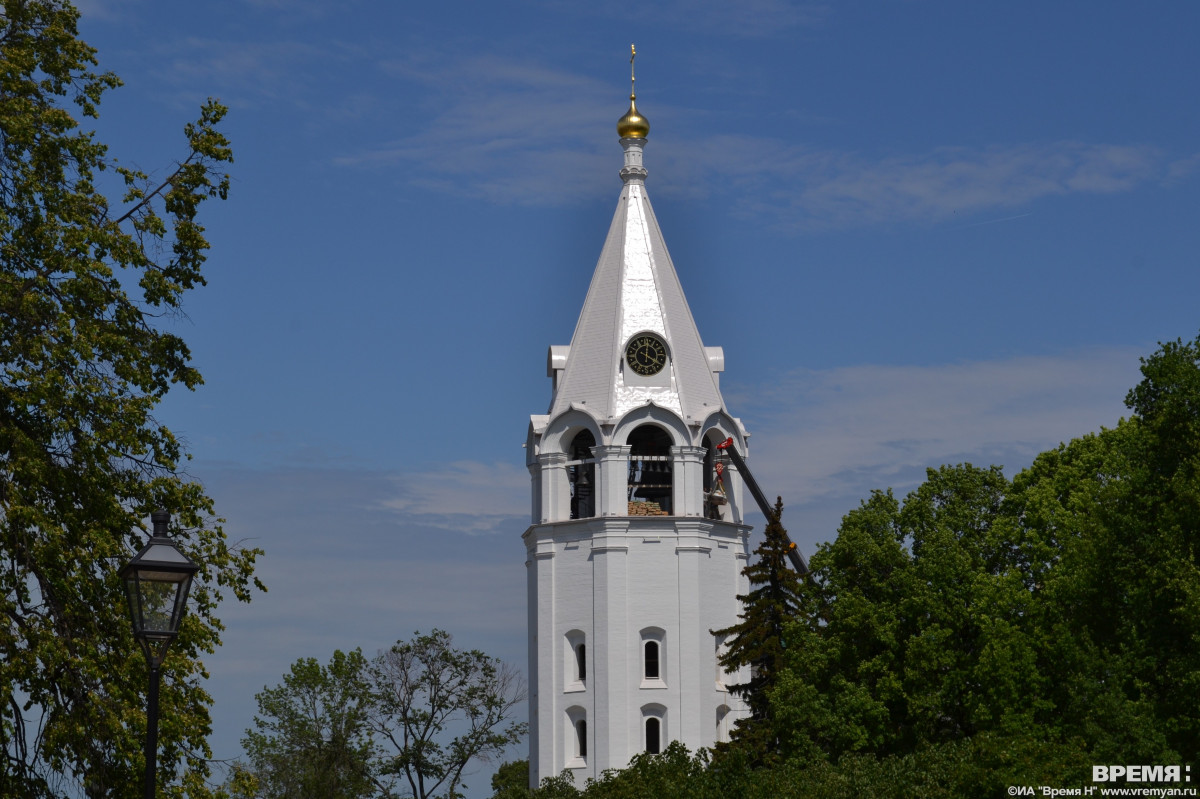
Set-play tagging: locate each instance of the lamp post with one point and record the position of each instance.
(157, 582)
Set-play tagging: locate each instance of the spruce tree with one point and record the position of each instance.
(758, 641)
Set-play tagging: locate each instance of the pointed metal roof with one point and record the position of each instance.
(635, 290)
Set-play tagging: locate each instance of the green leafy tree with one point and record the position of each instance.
(758, 640)
(409, 723)
(84, 281)
(511, 780)
(984, 765)
(673, 774)
(560, 787)
(841, 690)
(1049, 621)
(915, 627)
(1120, 511)
(311, 736)
(437, 709)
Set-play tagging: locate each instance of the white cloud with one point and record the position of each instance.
(280, 74)
(1182, 168)
(513, 131)
(505, 130)
(826, 438)
(465, 495)
(101, 9)
(813, 188)
(360, 558)
(244, 71)
(321, 604)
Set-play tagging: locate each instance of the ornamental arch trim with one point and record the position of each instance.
(655, 415)
(562, 429)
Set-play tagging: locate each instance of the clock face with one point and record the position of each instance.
(646, 355)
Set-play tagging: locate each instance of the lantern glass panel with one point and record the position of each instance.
(159, 601)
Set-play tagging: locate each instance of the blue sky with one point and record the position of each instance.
(923, 232)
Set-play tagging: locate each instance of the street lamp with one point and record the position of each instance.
(157, 582)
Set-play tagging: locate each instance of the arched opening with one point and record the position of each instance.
(575, 738)
(651, 671)
(709, 463)
(653, 735)
(582, 475)
(714, 482)
(575, 661)
(650, 471)
(654, 657)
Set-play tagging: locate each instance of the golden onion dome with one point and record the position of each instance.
(633, 125)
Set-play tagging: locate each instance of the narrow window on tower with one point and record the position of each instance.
(654, 658)
(651, 660)
(575, 742)
(582, 475)
(654, 727)
(653, 735)
(574, 662)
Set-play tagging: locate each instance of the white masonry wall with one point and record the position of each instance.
(610, 583)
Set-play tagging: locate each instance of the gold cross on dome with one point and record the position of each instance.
(632, 79)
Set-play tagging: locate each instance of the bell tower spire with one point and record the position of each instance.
(637, 544)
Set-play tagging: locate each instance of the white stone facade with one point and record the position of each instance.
(621, 604)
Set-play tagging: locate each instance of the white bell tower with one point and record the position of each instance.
(637, 545)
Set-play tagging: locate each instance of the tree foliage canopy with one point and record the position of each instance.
(311, 735)
(1061, 608)
(439, 708)
(84, 359)
(914, 631)
(408, 723)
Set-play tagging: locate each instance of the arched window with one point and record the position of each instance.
(653, 735)
(650, 471)
(654, 727)
(575, 661)
(650, 650)
(575, 742)
(654, 658)
(582, 475)
(715, 482)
